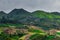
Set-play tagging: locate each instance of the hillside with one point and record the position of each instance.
(20, 24)
(46, 20)
(2, 14)
(43, 14)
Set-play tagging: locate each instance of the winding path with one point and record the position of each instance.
(26, 37)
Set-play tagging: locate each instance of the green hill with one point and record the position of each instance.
(46, 20)
(43, 14)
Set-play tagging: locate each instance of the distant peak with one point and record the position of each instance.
(21, 10)
(38, 11)
(2, 11)
(18, 9)
(54, 12)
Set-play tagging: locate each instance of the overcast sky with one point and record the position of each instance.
(30, 5)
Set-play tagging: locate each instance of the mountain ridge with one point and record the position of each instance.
(38, 18)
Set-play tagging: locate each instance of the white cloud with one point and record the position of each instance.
(31, 5)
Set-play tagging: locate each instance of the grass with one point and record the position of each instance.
(35, 31)
(9, 24)
(41, 14)
(33, 36)
(58, 33)
(38, 36)
(50, 37)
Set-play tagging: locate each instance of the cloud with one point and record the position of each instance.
(30, 5)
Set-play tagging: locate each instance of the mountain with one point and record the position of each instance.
(21, 24)
(43, 14)
(46, 20)
(2, 14)
(17, 15)
(56, 13)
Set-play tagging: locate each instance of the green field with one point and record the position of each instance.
(35, 34)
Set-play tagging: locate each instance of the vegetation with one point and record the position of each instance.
(20, 24)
